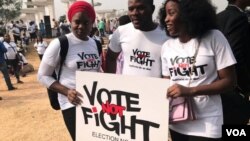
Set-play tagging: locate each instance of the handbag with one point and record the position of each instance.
(181, 108)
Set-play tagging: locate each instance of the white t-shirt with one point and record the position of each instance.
(41, 47)
(32, 28)
(141, 50)
(11, 50)
(81, 56)
(1, 39)
(16, 31)
(24, 60)
(214, 54)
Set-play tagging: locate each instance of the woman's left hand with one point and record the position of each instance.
(178, 90)
(74, 97)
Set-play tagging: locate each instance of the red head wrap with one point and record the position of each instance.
(81, 6)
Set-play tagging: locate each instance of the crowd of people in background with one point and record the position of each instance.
(16, 39)
(20, 35)
(206, 37)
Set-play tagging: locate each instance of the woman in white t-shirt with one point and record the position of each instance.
(40, 46)
(82, 55)
(200, 65)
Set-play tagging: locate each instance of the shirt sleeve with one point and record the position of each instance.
(52, 53)
(223, 54)
(115, 44)
(49, 63)
(165, 70)
(44, 74)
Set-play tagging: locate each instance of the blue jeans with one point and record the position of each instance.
(4, 70)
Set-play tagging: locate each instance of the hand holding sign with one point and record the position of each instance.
(124, 108)
(74, 97)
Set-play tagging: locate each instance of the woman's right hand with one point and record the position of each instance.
(74, 97)
(178, 90)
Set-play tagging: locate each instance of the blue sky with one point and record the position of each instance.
(122, 4)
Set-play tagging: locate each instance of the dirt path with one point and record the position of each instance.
(25, 113)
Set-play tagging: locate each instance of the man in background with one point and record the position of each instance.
(56, 27)
(3, 68)
(101, 27)
(233, 23)
(42, 28)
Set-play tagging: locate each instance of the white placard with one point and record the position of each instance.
(121, 108)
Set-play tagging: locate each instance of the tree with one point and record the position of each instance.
(9, 10)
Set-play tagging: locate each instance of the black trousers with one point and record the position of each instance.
(14, 64)
(40, 56)
(17, 38)
(69, 116)
(181, 137)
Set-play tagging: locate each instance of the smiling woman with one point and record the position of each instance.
(193, 60)
(81, 22)
(171, 20)
(81, 50)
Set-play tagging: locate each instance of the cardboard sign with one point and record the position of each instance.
(121, 108)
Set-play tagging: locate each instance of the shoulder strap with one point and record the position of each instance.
(99, 46)
(197, 47)
(6, 57)
(11, 46)
(63, 52)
